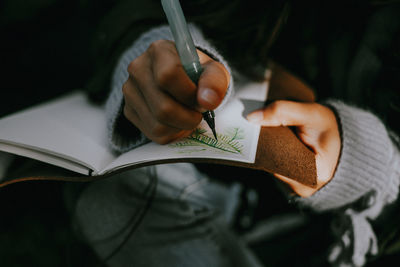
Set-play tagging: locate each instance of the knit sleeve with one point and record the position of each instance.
(124, 136)
(368, 169)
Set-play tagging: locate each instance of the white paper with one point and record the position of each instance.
(68, 128)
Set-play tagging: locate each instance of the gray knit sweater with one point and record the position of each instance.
(369, 165)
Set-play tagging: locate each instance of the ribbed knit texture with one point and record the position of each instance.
(368, 169)
(114, 103)
(369, 161)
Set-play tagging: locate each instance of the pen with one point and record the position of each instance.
(186, 49)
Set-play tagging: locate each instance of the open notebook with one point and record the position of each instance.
(71, 133)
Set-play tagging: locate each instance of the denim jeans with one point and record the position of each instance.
(185, 221)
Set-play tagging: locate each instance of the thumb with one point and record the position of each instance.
(212, 85)
(286, 113)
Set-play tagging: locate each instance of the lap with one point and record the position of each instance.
(165, 215)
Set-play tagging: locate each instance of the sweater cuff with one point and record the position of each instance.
(120, 139)
(369, 162)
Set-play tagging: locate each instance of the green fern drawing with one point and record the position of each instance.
(228, 142)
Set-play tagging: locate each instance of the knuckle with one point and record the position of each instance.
(322, 113)
(164, 111)
(155, 46)
(275, 111)
(127, 111)
(321, 108)
(159, 130)
(133, 66)
(158, 46)
(125, 89)
(165, 76)
(275, 107)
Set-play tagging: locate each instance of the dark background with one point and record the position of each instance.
(44, 52)
(44, 48)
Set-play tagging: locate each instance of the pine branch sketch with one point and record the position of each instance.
(228, 142)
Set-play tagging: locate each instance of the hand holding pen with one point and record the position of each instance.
(186, 49)
(160, 98)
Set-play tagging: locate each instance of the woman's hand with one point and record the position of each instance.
(162, 101)
(316, 126)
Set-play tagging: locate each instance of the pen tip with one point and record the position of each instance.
(215, 134)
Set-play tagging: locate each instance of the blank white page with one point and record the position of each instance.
(69, 127)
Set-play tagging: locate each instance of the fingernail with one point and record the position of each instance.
(210, 96)
(255, 117)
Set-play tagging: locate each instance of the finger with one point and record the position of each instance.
(170, 75)
(138, 69)
(212, 86)
(174, 137)
(136, 111)
(133, 117)
(165, 109)
(298, 188)
(288, 113)
(180, 135)
(165, 135)
(158, 133)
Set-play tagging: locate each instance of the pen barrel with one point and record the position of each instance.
(193, 70)
(183, 39)
(185, 46)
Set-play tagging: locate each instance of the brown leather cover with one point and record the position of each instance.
(279, 150)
